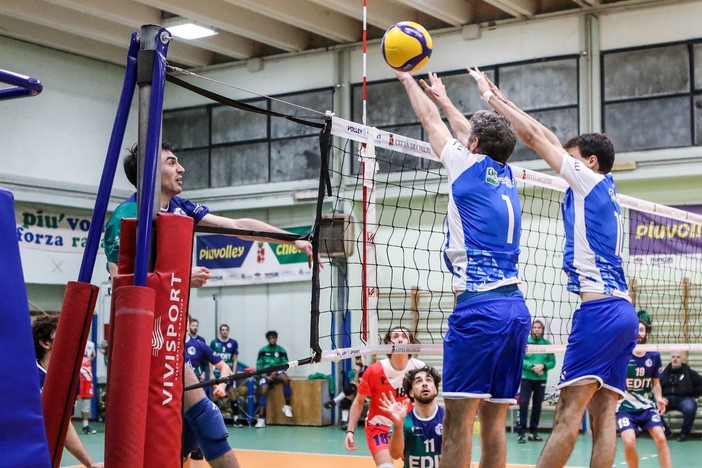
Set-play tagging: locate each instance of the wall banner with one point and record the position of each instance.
(57, 231)
(655, 241)
(233, 261)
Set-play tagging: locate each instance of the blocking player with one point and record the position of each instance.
(643, 404)
(604, 327)
(416, 434)
(381, 378)
(490, 322)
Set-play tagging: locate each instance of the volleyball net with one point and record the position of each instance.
(385, 227)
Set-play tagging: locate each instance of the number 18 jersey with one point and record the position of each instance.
(483, 221)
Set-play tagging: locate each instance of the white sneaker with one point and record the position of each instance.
(287, 410)
(260, 423)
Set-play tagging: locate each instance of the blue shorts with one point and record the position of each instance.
(484, 346)
(600, 344)
(639, 421)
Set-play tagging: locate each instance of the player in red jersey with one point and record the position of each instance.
(382, 378)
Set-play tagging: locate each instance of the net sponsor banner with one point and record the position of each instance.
(656, 241)
(233, 261)
(57, 231)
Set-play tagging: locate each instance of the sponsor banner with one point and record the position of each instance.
(58, 231)
(233, 261)
(653, 235)
(360, 133)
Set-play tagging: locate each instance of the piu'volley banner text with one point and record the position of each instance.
(233, 261)
(655, 241)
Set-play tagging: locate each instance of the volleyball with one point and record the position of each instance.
(406, 46)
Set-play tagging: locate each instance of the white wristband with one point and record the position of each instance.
(487, 95)
(476, 76)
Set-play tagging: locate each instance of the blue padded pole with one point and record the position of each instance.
(22, 86)
(111, 161)
(22, 437)
(152, 152)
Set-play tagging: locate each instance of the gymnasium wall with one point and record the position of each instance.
(52, 146)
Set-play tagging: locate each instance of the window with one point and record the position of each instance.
(651, 98)
(547, 89)
(221, 146)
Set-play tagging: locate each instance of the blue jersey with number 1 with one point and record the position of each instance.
(484, 220)
(594, 231)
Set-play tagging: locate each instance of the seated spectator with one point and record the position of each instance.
(268, 356)
(681, 388)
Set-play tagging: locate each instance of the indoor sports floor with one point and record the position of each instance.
(307, 447)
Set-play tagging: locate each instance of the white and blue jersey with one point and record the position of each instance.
(483, 221)
(594, 231)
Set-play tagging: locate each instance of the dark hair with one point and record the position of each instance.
(193, 320)
(42, 328)
(224, 325)
(411, 336)
(130, 161)
(494, 133)
(409, 378)
(596, 144)
(412, 339)
(271, 333)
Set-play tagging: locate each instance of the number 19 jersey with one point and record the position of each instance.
(483, 221)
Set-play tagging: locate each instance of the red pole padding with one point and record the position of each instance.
(129, 385)
(62, 375)
(170, 281)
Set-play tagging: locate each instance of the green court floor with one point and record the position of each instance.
(330, 440)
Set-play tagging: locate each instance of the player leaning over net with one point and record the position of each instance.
(604, 328)
(490, 322)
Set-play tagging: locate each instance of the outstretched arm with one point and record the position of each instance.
(249, 224)
(428, 114)
(437, 93)
(529, 130)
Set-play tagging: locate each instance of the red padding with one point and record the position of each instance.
(62, 375)
(171, 283)
(129, 385)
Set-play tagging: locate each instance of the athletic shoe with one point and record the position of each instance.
(260, 423)
(535, 438)
(287, 410)
(521, 439)
(330, 404)
(682, 438)
(89, 430)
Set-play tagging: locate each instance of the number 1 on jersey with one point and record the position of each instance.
(510, 218)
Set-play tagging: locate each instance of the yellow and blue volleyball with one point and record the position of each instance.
(406, 46)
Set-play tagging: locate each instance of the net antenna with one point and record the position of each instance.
(400, 189)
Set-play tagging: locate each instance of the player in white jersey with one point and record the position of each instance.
(490, 322)
(604, 328)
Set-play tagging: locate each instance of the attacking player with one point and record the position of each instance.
(416, 433)
(604, 329)
(490, 322)
(643, 404)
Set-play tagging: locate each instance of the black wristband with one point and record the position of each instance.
(352, 432)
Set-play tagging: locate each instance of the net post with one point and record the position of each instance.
(151, 78)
